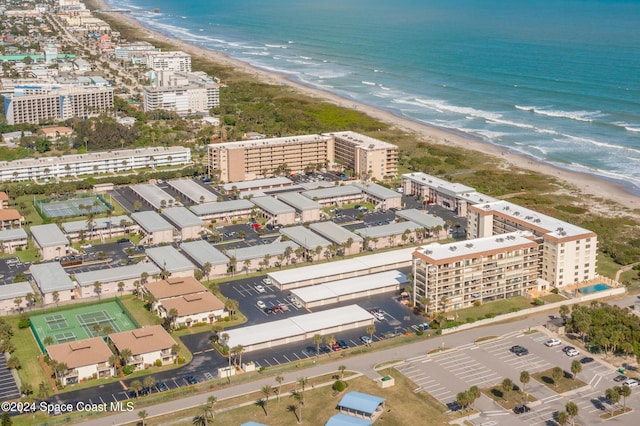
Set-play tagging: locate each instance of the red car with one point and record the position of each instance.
(336, 347)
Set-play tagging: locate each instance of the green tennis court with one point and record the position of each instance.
(81, 323)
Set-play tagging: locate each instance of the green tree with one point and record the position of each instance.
(507, 386)
(562, 418)
(474, 394)
(6, 419)
(576, 367)
(625, 392)
(143, 415)
(371, 330)
(148, 382)
(317, 340)
(136, 386)
(564, 311)
(463, 399)
(342, 369)
(613, 396)
(572, 410)
(556, 375)
(266, 391)
(525, 378)
(279, 379)
(302, 381)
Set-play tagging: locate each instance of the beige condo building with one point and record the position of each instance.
(248, 160)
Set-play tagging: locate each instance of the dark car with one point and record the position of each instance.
(620, 378)
(567, 349)
(519, 350)
(162, 386)
(268, 310)
(343, 344)
(521, 409)
(192, 380)
(586, 360)
(123, 240)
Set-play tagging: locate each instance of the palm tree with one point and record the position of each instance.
(246, 263)
(507, 386)
(116, 363)
(302, 381)
(56, 297)
(279, 379)
(97, 288)
(524, 379)
(173, 316)
(562, 418)
(556, 374)
(143, 415)
(299, 397)
(625, 392)
(136, 386)
(572, 410)
(207, 269)
(148, 382)
(317, 340)
(266, 391)
(231, 305)
(576, 367)
(371, 330)
(121, 287)
(613, 396)
(125, 354)
(342, 369)
(211, 402)
(17, 301)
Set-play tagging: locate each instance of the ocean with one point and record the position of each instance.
(556, 80)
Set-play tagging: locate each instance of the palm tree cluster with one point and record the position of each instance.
(467, 398)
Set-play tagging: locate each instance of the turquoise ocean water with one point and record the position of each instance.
(558, 80)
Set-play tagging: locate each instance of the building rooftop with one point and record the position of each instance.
(119, 273)
(439, 253)
(441, 185)
(379, 191)
(51, 277)
(11, 291)
(194, 191)
(365, 142)
(360, 402)
(81, 353)
(257, 183)
(347, 420)
(350, 285)
(287, 140)
(221, 207)
(298, 201)
(272, 206)
(387, 230)
(154, 195)
(182, 218)
(174, 287)
(305, 237)
(259, 251)
(98, 223)
(13, 234)
(202, 252)
(151, 222)
(331, 192)
(144, 340)
(427, 221)
(170, 259)
(193, 304)
(334, 232)
(49, 235)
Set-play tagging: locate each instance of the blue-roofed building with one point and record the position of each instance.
(253, 424)
(361, 405)
(345, 420)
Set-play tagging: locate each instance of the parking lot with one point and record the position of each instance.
(8, 386)
(444, 374)
(10, 267)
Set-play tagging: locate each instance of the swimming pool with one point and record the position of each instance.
(594, 288)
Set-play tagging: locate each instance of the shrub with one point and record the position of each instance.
(490, 315)
(180, 360)
(476, 303)
(227, 319)
(158, 363)
(538, 302)
(420, 331)
(514, 309)
(470, 320)
(128, 369)
(24, 321)
(339, 386)
(556, 291)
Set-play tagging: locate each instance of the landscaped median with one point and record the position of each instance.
(558, 380)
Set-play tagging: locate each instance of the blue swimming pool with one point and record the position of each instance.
(594, 288)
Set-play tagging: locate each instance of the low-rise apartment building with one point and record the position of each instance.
(85, 359)
(50, 241)
(147, 345)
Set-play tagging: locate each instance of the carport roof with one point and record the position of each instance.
(363, 263)
(296, 326)
(202, 252)
(272, 206)
(361, 402)
(350, 285)
(167, 257)
(334, 191)
(379, 191)
(51, 277)
(120, 273)
(98, 223)
(152, 194)
(298, 201)
(427, 221)
(151, 221)
(258, 183)
(304, 237)
(193, 190)
(261, 250)
(181, 217)
(13, 234)
(346, 420)
(49, 235)
(221, 207)
(397, 228)
(11, 291)
(334, 232)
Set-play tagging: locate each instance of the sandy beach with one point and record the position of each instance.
(583, 182)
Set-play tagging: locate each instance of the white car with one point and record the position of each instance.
(379, 316)
(261, 304)
(260, 289)
(573, 352)
(267, 281)
(552, 342)
(631, 383)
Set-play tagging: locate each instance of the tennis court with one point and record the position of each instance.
(81, 323)
(72, 207)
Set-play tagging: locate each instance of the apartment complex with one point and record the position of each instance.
(169, 61)
(568, 252)
(456, 275)
(183, 93)
(247, 160)
(92, 163)
(37, 104)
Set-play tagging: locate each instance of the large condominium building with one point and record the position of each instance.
(92, 163)
(183, 93)
(36, 104)
(169, 61)
(247, 160)
(455, 275)
(135, 52)
(568, 252)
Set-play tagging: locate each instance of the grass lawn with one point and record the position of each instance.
(566, 383)
(506, 400)
(139, 312)
(494, 308)
(402, 406)
(606, 266)
(552, 298)
(615, 413)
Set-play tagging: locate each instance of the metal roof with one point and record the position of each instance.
(151, 221)
(98, 223)
(11, 291)
(194, 191)
(258, 183)
(379, 191)
(49, 235)
(202, 252)
(334, 232)
(120, 273)
(167, 257)
(426, 221)
(387, 230)
(153, 195)
(334, 191)
(221, 207)
(477, 246)
(181, 217)
(305, 237)
(272, 206)
(362, 402)
(346, 420)
(261, 250)
(441, 185)
(298, 201)
(13, 234)
(51, 277)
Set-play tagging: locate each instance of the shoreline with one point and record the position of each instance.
(585, 183)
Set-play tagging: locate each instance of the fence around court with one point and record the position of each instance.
(126, 312)
(55, 207)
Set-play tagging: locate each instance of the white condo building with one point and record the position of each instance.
(183, 93)
(169, 61)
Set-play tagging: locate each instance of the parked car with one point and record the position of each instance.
(268, 310)
(519, 350)
(632, 383)
(521, 408)
(259, 288)
(261, 304)
(267, 281)
(586, 360)
(343, 344)
(620, 378)
(379, 316)
(162, 386)
(192, 380)
(336, 347)
(366, 340)
(283, 307)
(567, 349)
(123, 240)
(552, 342)
(572, 352)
